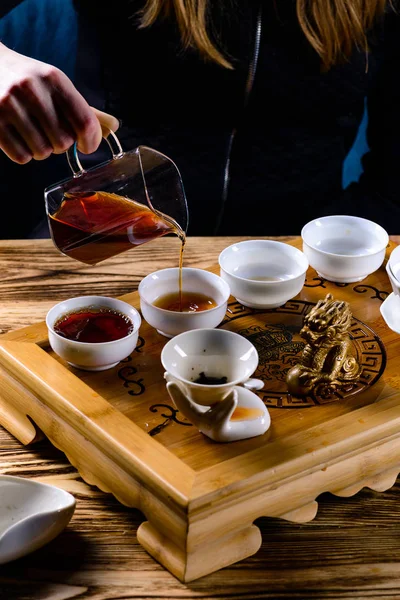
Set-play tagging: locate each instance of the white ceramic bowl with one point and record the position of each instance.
(166, 281)
(343, 248)
(390, 308)
(93, 356)
(214, 352)
(263, 273)
(393, 270)
(31, 515)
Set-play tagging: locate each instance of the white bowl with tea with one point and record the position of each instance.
(263, 274)
(93, 333)
(199, 301)
(344, 248)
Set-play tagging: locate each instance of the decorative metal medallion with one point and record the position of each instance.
(279, 344)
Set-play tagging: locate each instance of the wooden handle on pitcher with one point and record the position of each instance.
(107, 122)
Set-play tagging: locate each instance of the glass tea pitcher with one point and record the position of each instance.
(133, 198)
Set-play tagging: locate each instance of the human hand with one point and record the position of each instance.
(41, 111)
(213, 421)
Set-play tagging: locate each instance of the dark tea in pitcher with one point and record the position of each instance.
(93, 226)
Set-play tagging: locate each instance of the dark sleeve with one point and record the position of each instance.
(377, 193)
(7, 5)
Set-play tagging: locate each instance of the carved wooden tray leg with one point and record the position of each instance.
(170, 522)
(95, 469)
(199, 560)
(12, 414)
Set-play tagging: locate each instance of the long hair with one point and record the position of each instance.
(333, 27)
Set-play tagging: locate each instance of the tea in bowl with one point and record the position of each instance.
(202, 303)
(263, 274)
(208, 364)
(343, 248)
(93, 333)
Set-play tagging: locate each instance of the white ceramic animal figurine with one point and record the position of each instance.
(218, 421)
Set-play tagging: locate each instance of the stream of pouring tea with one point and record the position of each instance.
(93, 226)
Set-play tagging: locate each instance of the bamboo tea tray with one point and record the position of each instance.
(200, 498)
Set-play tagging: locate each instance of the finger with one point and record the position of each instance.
(27, 127)
(30, 131)
(78, 114)
(64, 138)
(176, 395)
(223, 410)
(13, 146)
(107, 122)
(38, 102)
(183, 403)
(57, 130)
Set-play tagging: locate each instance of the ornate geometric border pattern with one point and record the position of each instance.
(276, 337)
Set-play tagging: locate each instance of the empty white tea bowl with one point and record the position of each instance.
(31, 515)
(344, 248)
(93, 356)
(390, 308)
(166, 281)
(393, 270)
(213, 353)
(263, 273)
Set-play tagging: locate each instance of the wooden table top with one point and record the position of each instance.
(351, 549)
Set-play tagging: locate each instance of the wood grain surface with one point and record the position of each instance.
(351, 550)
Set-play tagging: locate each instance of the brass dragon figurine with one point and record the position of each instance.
(326, 363)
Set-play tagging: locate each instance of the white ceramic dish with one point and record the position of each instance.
(218, 422)
(344, 248)
(31, 515)
(93, 356)
(390, 311)
(214, 352)
(166, 281)
(263, 273)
